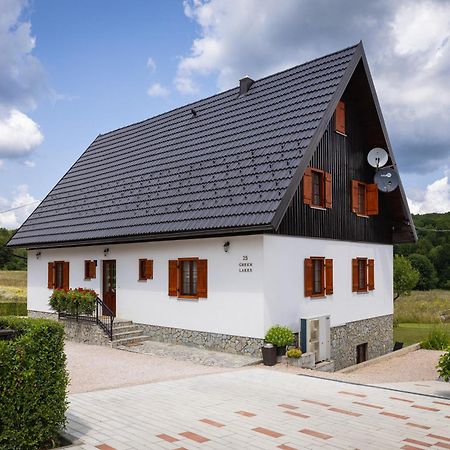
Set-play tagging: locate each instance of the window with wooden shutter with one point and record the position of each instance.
(202, 274)
(317, 188)
(173, 278)
(364, 198)
(372, 199)
(328, 276)
(90, 269)
(51, 275)
(307, 186)
(145, 269)
(340, 118)
(371, 274)
(65, 280)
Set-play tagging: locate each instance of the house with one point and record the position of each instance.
(212, 222)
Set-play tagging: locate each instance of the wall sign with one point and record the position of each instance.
(245, 265)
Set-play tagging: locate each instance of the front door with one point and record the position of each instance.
(109, 284)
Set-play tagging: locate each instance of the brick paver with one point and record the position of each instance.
(256, 409)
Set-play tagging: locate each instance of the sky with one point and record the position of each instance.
(72, 69)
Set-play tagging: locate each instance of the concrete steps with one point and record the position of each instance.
(125, 332)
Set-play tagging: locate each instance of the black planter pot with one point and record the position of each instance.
(269, 355)
(281, 351)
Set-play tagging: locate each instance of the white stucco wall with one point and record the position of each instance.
(235, 299)
(284, 281)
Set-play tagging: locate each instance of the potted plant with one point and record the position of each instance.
(293, 356)
(269, 352)
(280, 336)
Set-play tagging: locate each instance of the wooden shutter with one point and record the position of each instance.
(372, 199)
(92, 269)
(355, 283)
(51, 275)
(340, 117)
(328, 276)
(65, 282)
(355, 185)
(307, 186)
(173, 278)
(371, 274)
(308, 277)
(328, 190)
(148, 269)
(202, 278)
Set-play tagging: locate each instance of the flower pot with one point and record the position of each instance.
(269, 353)
(296, 362)
(281, 350)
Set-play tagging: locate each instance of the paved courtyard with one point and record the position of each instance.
(257, 409)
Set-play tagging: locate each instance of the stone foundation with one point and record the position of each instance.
(210, 341)
(83, 332)
(376, 331)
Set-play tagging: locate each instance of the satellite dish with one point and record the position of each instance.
(377, 157)
(386, 179)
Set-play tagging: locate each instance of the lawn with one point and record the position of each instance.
(13, 292)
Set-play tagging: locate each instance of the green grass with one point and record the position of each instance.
(13, 293)
(13, 278)
(411, 333)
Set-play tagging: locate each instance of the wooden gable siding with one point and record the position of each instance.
(345, 157)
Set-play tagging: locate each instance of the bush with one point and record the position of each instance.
(405, 277)
(73, 301)
(13, 309)
(427, 272)
(438, 338)
(294, 353)
(33, 386)
(443, 366)
(280, 336)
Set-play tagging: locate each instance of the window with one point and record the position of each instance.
(363, 275)
(145, 269)
(58, 275)
(317, 188)
(361, 353)
(188, 278)
(364, 198)
(318, 276)
(90, 269)
(340, 118)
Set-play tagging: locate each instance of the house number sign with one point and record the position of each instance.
(245, 265)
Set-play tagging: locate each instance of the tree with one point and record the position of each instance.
(428, 277)
(9, 259)
(405, 277)
(440, 256)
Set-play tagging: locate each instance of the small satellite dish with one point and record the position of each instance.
(377, 157)
(386, 179)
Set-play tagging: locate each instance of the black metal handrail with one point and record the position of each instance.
(102, 316)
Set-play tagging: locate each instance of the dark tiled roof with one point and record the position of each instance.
(227, 167)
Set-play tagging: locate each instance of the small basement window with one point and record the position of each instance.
(361, 353)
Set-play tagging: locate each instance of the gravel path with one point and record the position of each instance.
(94, 367)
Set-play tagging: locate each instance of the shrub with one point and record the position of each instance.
(13, 309)
(280, 336)
(405, 277)
(438, 338)
(427, 272)
(443, 366)
(294, 353)
(73, 301)
(33, 387)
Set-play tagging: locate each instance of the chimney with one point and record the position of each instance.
(244, 85)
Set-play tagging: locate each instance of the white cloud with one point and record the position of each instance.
(435, 198)
(18, 134)
(151, 64)
(29, 163)
(156, 90)
(22, 205)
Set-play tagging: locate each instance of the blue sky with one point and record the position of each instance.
(71, 69)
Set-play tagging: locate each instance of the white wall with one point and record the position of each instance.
(284, 281)
(235, 299)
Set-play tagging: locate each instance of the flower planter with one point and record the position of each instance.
(306, 361)
(269, 353)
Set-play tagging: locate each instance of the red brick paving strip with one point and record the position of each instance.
(401, 399)
(104, 447)
(315, 433)
(442, 445)
(316, 403)
(410, 447)
(343, 411)
(414, 441)
(417, 425)
(396, 416)
(267, 432)
(167, 438)
(286, 447)
(296, 414)
(212, 422)
(194, 437)
(352, 393)
(245, 413)
(285, 406)
(440, 438)
(441, 403)
(369, 405)
(426, 408)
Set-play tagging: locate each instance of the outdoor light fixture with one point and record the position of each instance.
(106, 251)
(38, 255)
(226, 246)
